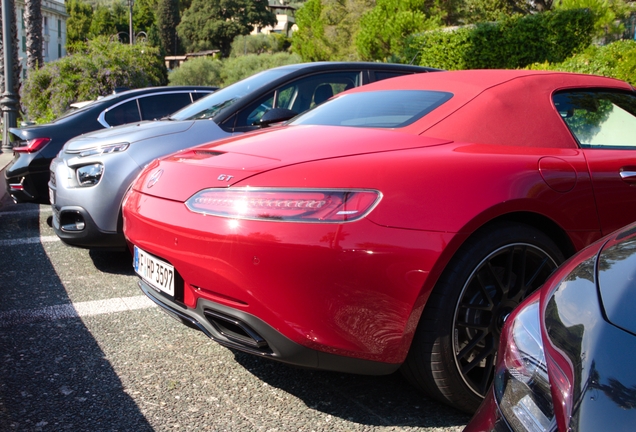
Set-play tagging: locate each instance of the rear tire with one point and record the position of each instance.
(454, 350)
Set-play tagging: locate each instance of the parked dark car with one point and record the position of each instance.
(92, 173)
(567, 353)
(35, 146)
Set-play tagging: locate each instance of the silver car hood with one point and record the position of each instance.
(129, 133)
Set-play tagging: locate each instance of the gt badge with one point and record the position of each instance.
(224, 177)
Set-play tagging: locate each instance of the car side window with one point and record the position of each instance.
(163, 104)
(298, 96)
(599, 118)
(198, 95)
(125, 113)
(256, 111)
(382, 75)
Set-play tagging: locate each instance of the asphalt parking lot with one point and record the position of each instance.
(81, 349)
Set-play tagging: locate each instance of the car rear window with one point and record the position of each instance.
(378, 109)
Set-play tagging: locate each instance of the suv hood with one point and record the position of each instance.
(211, 165)
(129, 133)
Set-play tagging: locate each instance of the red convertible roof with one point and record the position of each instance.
(487, 103)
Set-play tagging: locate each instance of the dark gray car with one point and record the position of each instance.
(92, 173)
(35, 146)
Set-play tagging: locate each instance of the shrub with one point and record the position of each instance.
(259, 44)
(616, 60)
(514, 42)
(205, 71)
(237, 68)
(95, 69)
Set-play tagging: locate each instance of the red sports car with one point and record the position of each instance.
(395, 226)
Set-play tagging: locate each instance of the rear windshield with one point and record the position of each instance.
(378, 109)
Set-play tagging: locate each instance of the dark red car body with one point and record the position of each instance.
(349, 296)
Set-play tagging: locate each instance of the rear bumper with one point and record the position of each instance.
(25, 184)
(239, 330)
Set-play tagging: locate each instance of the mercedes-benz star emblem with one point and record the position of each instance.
(154, 178)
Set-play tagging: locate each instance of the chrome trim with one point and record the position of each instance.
(628, 175)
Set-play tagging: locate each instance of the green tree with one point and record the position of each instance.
(328, 28)
(120, 14)
(168, 19)
(79, 21)
(95, 69)
(384, 29)
(607, 14)
(144, 15)
(213, 24)
(103, 23)
(310, 41)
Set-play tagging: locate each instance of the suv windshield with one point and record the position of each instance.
(378, 109)
(209, 106)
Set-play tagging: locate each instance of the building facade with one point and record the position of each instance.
(54, 19)
(286, 21)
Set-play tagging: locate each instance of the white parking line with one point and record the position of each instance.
(75, 310)
(29, 240)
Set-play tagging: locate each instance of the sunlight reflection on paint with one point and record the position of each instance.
(233, 223)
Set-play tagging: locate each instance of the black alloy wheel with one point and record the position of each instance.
(499, 283)
(454, 350)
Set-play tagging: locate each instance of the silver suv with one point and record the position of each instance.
(92, 173)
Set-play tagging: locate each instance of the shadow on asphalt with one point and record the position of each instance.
(54, 374)
(370, 400)
(113, 262)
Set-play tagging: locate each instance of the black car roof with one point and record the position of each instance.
(346, 65)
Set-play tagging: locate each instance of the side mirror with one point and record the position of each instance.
(275, 115)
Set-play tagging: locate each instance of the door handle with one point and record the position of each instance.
(628, 175)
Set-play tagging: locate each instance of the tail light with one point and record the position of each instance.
(33, 145)
(522, 385)
(285, 205)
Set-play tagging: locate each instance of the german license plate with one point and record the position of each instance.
(51, 196)
(158, 273)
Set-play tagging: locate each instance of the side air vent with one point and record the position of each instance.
(209, 153)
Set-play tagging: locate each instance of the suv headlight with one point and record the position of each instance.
(522, 385)
(89, 175)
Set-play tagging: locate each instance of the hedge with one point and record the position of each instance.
(515, 42)
(616, 60)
